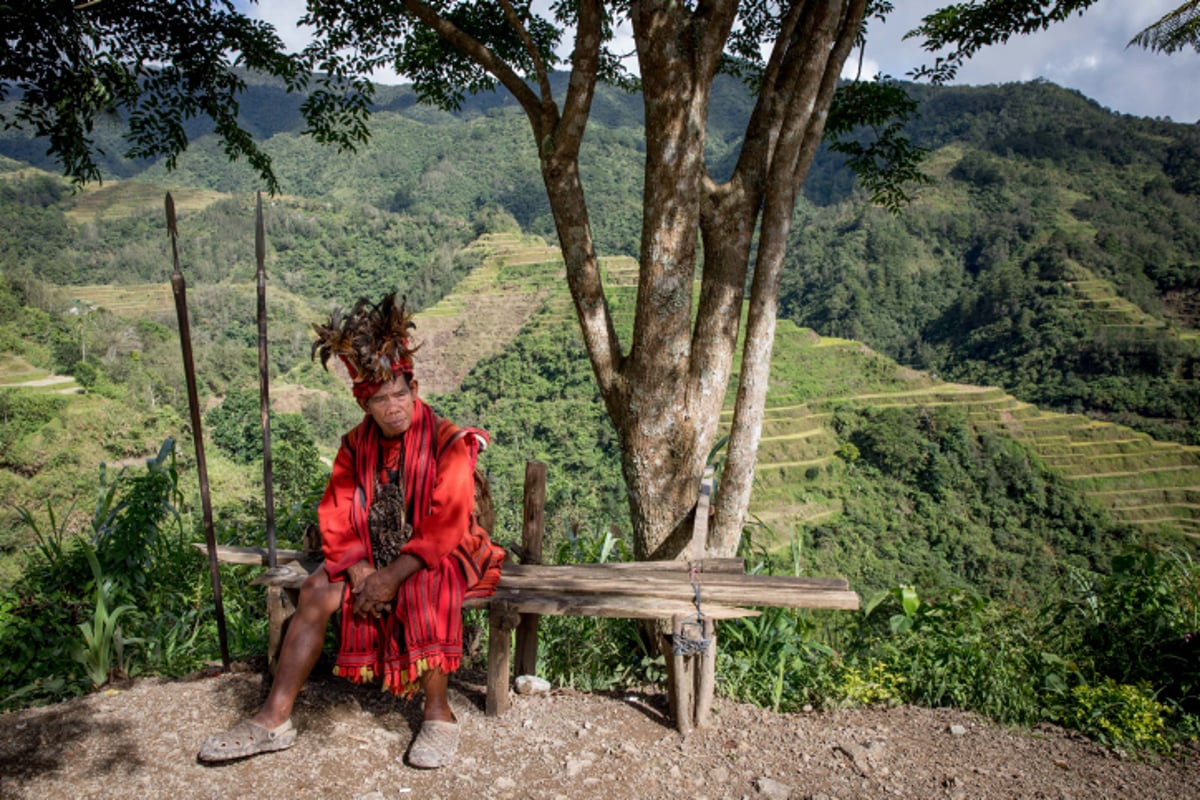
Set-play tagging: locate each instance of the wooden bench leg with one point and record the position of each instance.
(681, 681)
(281, 605)
(691, 679)
(501, 622)
(527, 644)
(706, 676)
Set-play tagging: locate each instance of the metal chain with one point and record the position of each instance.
(690, 640)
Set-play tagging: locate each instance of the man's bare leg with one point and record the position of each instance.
(437, 702)
(319, 599)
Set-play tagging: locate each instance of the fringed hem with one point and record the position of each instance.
(355, 674)
(406, 681)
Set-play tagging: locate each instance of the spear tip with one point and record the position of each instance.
(172, 231)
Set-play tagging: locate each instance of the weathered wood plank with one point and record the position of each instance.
(601, 572)
(254, 556)
(609, 605)
(707, 565)
(722, 588)
(501, 622)
(746, 590)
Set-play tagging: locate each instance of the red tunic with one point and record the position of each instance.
(425, 630)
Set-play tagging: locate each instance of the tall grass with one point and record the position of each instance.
(132, 577)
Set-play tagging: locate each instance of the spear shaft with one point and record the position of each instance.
(179, 289)
(260, 256)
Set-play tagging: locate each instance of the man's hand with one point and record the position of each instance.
(357, 573)
(376, 592)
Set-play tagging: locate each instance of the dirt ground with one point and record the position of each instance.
(141, 739)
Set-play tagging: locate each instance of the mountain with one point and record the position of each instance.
(947, 383)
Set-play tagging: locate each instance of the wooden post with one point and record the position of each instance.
(501, 621)
(681, 680)
(531, 548)
(704, 663)
(706, 676)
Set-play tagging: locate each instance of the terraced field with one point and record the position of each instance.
(1105, 307)
(132, 301)
(115, 199)
(1154, 485)
(520, 277)
(519, 290)
(1151, 484)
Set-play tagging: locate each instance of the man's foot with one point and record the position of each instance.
(435, 744)
(247, 738)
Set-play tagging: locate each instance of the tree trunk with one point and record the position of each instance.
(665, 394)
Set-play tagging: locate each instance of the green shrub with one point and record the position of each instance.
(1118, 714)
(960, 651)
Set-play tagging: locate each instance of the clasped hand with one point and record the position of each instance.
(373, 590)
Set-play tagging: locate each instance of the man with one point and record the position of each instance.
(402, 547)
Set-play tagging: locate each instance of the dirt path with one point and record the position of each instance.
(141, 741)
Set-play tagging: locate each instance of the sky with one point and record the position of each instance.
(1087, 53)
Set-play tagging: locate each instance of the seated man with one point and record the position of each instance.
(402, 547)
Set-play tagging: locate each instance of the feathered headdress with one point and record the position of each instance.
(372, 341)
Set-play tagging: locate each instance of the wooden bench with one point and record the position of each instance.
(692, 596)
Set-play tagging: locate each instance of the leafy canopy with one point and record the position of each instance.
(159, 66)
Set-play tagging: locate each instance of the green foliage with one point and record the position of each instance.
(1140, 623)
(929, 499)
(887, 164)
(158, 66)
(236, 425)
(134, 578)
(594, 653)
(129, 521)
(22, 413)
(1118, 715)
(959, 651)
(102, 651)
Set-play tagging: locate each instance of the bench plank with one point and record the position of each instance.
(616, 606)
(720, 588)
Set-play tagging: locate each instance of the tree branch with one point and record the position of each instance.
(539, 67)
(483, 56)
(585, 64)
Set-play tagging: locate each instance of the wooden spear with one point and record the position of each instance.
(179, 289)
(260, 255)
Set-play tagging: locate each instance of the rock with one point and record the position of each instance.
(858, 758)
(957, 730)
(773, 789)
(531, 684)
(576, 766)
(504, 784)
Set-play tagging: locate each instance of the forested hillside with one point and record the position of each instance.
(1055, 254)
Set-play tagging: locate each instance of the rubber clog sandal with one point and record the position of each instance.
(247, 738)
(435, 744)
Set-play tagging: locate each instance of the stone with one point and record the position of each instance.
(772, 789)
(531, 684)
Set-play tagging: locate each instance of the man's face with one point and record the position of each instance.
(392, 406)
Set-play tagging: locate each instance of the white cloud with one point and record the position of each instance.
(1087, 53)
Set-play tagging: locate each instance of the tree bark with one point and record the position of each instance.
(665, 394)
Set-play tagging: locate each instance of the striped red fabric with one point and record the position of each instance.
(425, 630)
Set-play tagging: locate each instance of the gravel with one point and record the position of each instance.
(141, 738)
